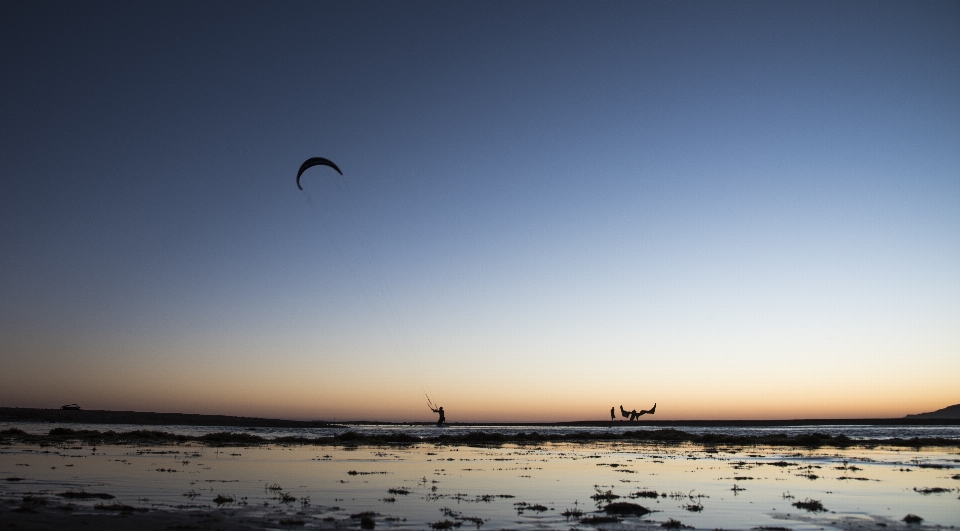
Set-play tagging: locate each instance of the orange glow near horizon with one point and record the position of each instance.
(510, 378)
(299, 395)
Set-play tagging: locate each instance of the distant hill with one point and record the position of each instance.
(949, 412)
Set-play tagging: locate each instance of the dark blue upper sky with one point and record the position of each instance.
(743, 185)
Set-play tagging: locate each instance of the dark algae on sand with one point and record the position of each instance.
(662, 436)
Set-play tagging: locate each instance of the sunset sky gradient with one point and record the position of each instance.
(736, 210)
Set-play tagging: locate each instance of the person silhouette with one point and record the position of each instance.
(442, 418)
(637, 415)
(613, 416)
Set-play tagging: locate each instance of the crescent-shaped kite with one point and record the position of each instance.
(315, 161)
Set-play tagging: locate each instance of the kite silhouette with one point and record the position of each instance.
(315, 161)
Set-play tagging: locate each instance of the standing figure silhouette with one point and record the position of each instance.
(442, 418)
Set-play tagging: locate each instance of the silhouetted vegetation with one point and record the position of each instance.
(604, 496)
(931, 490)
(221, 499)
(81, 495)
(524, 506)
(782, 464)
(458, 516)
(813, 506)
(626, 508)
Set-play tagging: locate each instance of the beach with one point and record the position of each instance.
(140, 479)
(435, 266)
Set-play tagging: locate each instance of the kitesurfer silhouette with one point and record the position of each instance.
(613, 416)
(442, 418)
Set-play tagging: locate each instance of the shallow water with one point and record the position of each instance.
(471, 484)
(420, 430)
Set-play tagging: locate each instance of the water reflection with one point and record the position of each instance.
(551, 486)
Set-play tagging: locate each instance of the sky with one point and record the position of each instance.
(734, 210)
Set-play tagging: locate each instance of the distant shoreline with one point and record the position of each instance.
(12, 414)
(149, 418)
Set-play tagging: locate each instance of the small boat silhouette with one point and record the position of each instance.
(71, 406)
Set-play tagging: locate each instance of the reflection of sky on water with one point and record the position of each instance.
(430, 430)
(471, 481)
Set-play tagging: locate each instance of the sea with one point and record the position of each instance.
(853, 431)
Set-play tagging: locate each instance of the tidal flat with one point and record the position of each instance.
(75, 484)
